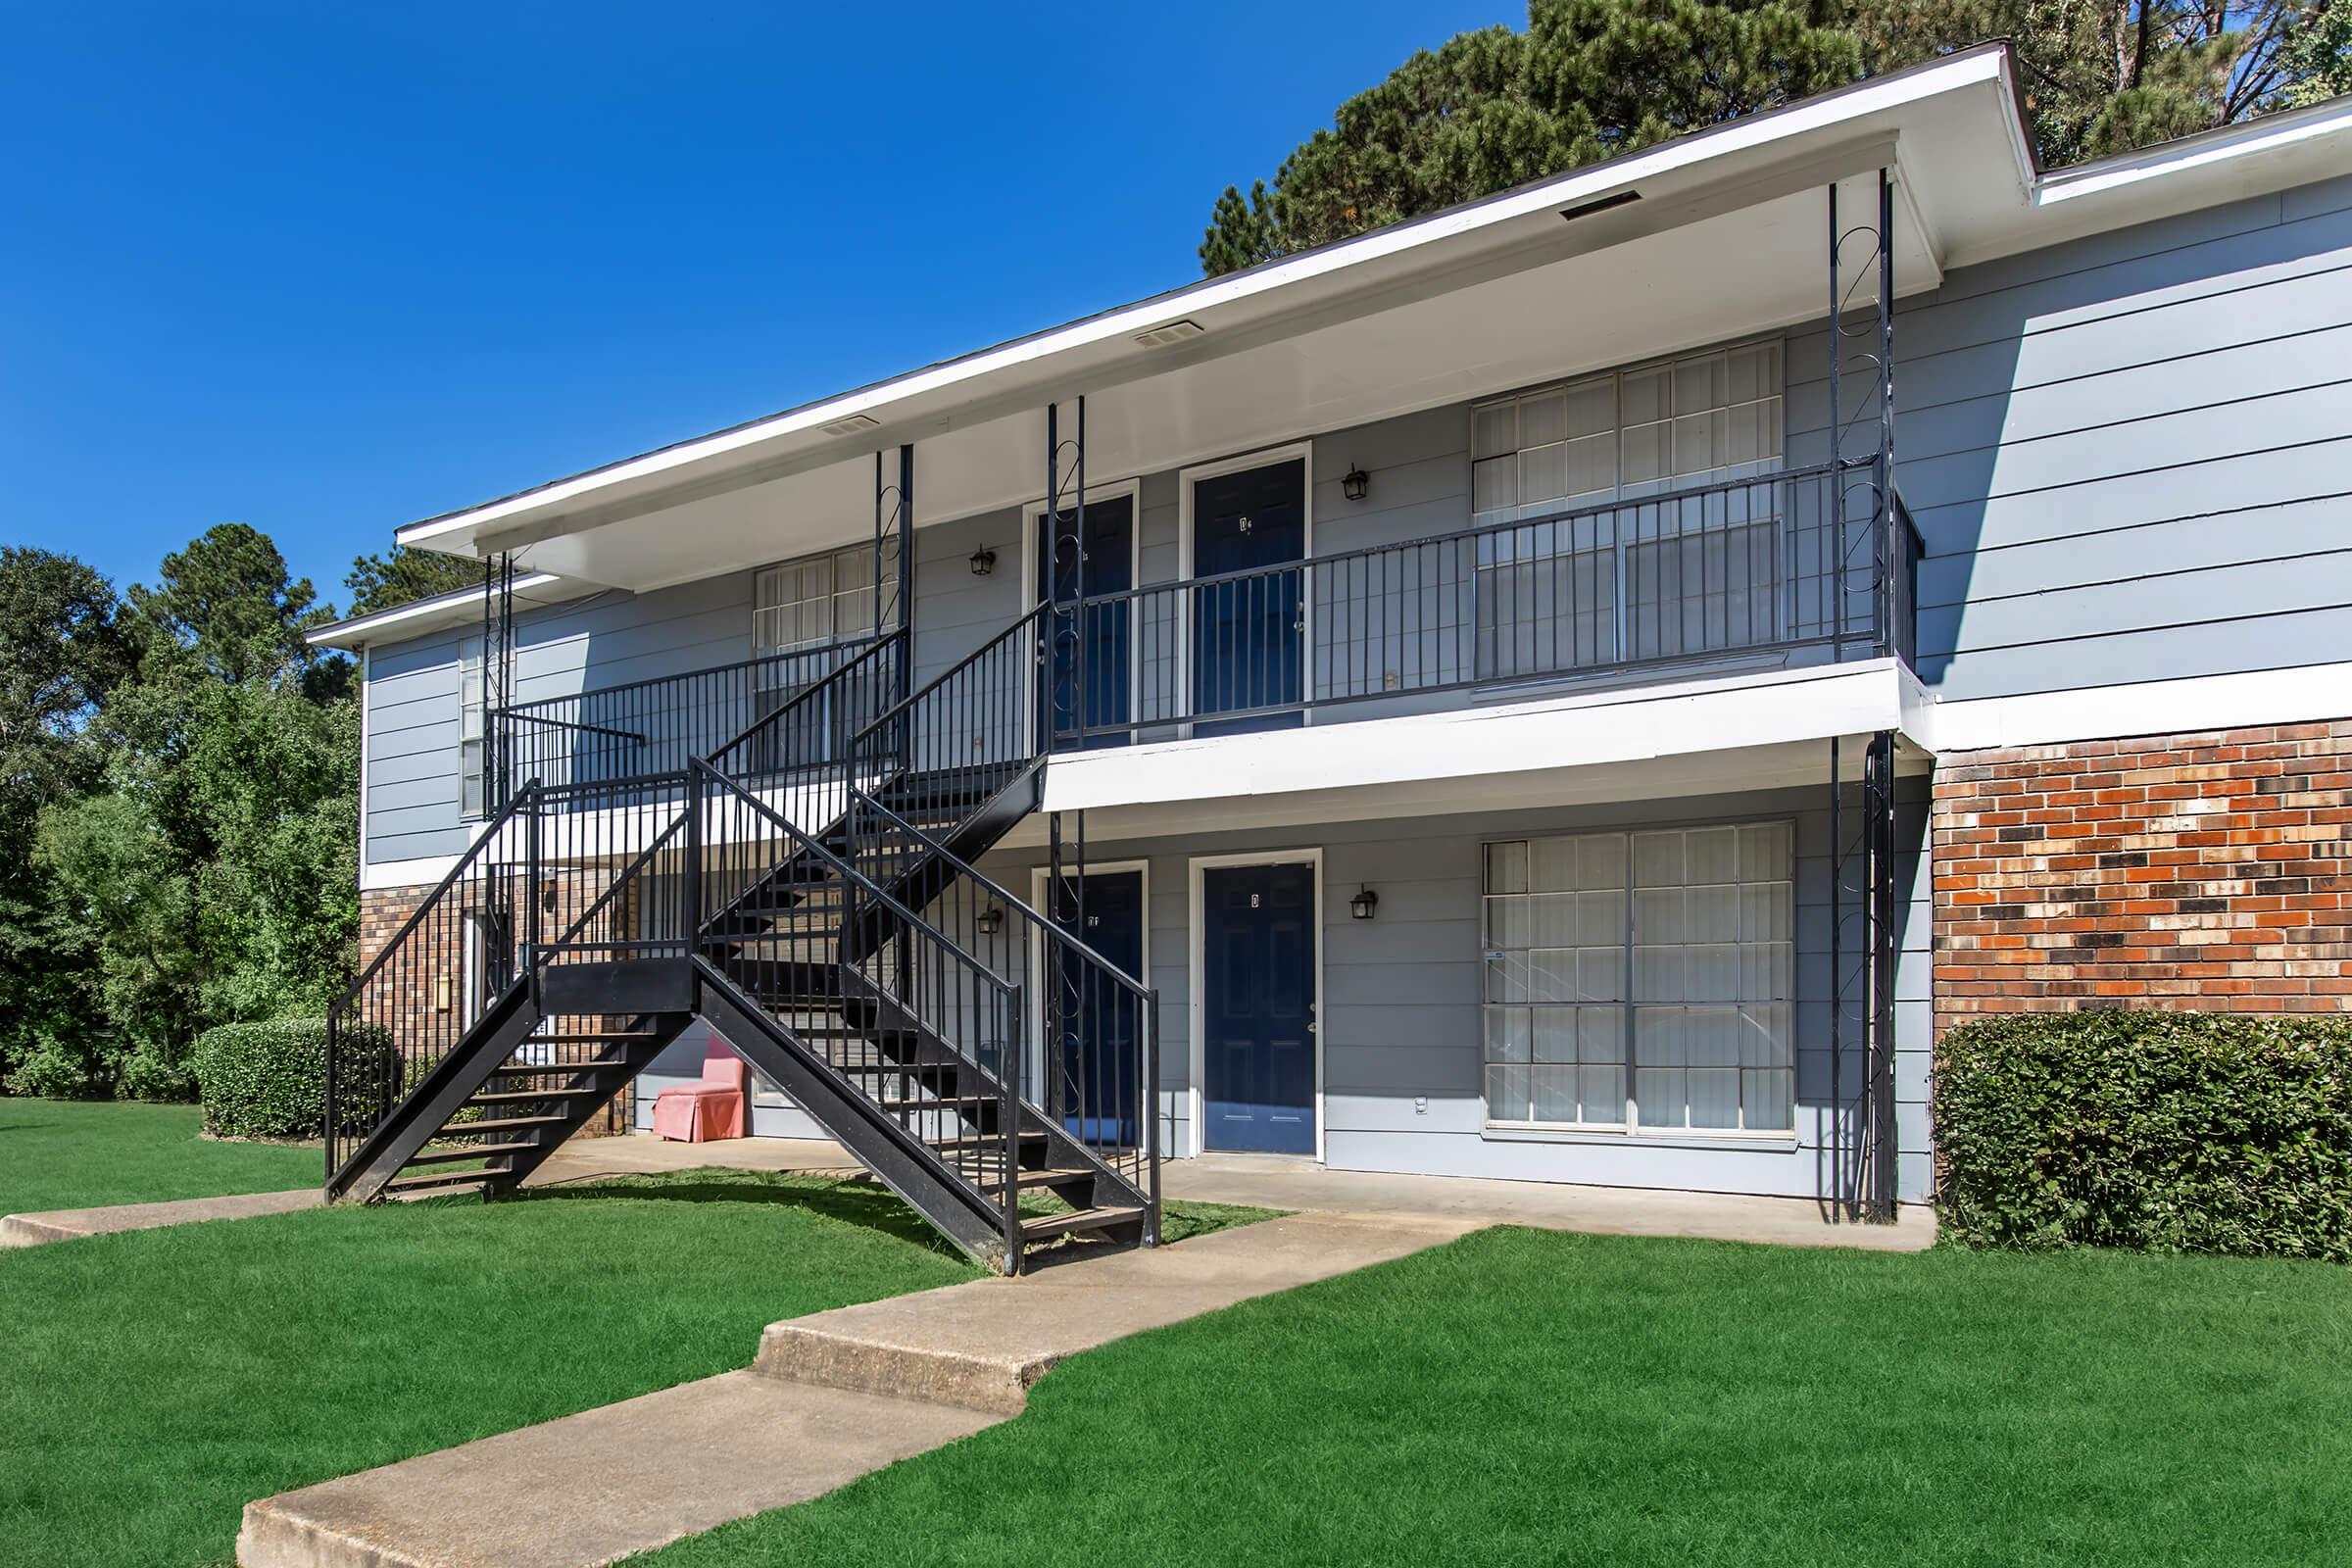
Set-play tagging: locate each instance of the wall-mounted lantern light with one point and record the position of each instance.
(989, 921)
(1356, 485)
(984, 562)
(1363, 904)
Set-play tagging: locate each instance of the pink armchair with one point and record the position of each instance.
(697, 1113)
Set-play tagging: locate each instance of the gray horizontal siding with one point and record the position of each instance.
(2130, 455)
(1401, 1019)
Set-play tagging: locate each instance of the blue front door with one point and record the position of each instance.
(1097, 1066)
(1257, 988)
(1089, 682)
(1249, 631)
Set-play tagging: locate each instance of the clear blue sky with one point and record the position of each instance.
(326, 269)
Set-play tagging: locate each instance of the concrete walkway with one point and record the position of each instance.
(70, 1224)
(831, 1397)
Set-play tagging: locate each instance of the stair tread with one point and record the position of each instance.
(1045, 1227)
(993, 1140)
(505, 1096)
(443, 1156)
(454, 1178)
(467, 1129)
(1053, 1176)
(940, 1102)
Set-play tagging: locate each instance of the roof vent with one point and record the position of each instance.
(851, 425)
(1602, 205)
(1173, 332)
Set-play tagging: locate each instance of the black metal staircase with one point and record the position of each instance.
(808, 892)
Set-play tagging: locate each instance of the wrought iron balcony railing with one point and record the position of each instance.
(753, 710)
(1803, 565)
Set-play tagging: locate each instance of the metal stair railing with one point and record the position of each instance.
(919, 983)
(1095, 1028)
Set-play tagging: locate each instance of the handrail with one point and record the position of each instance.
(896, 637)
(489, 833)
(968, 661)
(521, 717)
(1460, 535)
(1139, 991)
(641, 683)
(844, 869)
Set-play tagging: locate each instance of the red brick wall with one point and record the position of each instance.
(383, 913)
(2209, 871)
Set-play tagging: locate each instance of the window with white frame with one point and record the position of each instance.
(819, 599)
(1648, 579)
(473, 789)
(1641, 981)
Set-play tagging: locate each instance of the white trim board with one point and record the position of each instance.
(1196, 1054)
(2242, 700)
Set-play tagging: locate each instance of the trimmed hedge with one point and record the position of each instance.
(266, 1080)
(2156, 1131)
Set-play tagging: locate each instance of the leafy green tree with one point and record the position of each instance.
(2108, 76)
(402, 576)
(1588, 79)
(227, 604)
(1489, 110)
(63, 652)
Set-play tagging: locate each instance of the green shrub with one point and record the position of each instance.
(268, 1080)
(2158, 1131)
(149, 1073)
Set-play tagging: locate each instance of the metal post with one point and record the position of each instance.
(1010, 1110)
(1079, 691)
(1835, 350)
(530, 893)
(1152, 1113)
(1057, 895)
(1050, 631)
(905, 593)
(1837, 985)
(694, 857)
(1883, 603)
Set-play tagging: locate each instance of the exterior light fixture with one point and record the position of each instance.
(1363, 904)
(989, 921)
(984, 562)
(1356, 485)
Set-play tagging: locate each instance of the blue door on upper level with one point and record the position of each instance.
(1098, 1061)
(1092, 690)
(1248, 630)
(1257, 994)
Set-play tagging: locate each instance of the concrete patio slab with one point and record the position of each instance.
(983, 1345)
(1271, 1181)
(1274, 1181)
(70, 1224)
(593, 1488)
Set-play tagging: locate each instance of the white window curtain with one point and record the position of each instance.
(1641, 981)
(473, 788)
(1635, 581)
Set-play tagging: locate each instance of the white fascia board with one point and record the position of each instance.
(422, 616)
(2249, 700)
(2270, 133)
(1811, 116)
(1641, 726)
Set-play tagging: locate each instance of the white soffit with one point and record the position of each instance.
(442, 612)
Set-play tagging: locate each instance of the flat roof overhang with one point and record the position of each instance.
(1727, 235)
(1703, 737)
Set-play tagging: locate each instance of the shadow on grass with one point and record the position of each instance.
(867, 1204)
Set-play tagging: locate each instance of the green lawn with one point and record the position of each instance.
(1523, 1396)
(152, 1383)
(156, 1382)
(73, 1153)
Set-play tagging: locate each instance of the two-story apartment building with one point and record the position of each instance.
(1579, 687)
